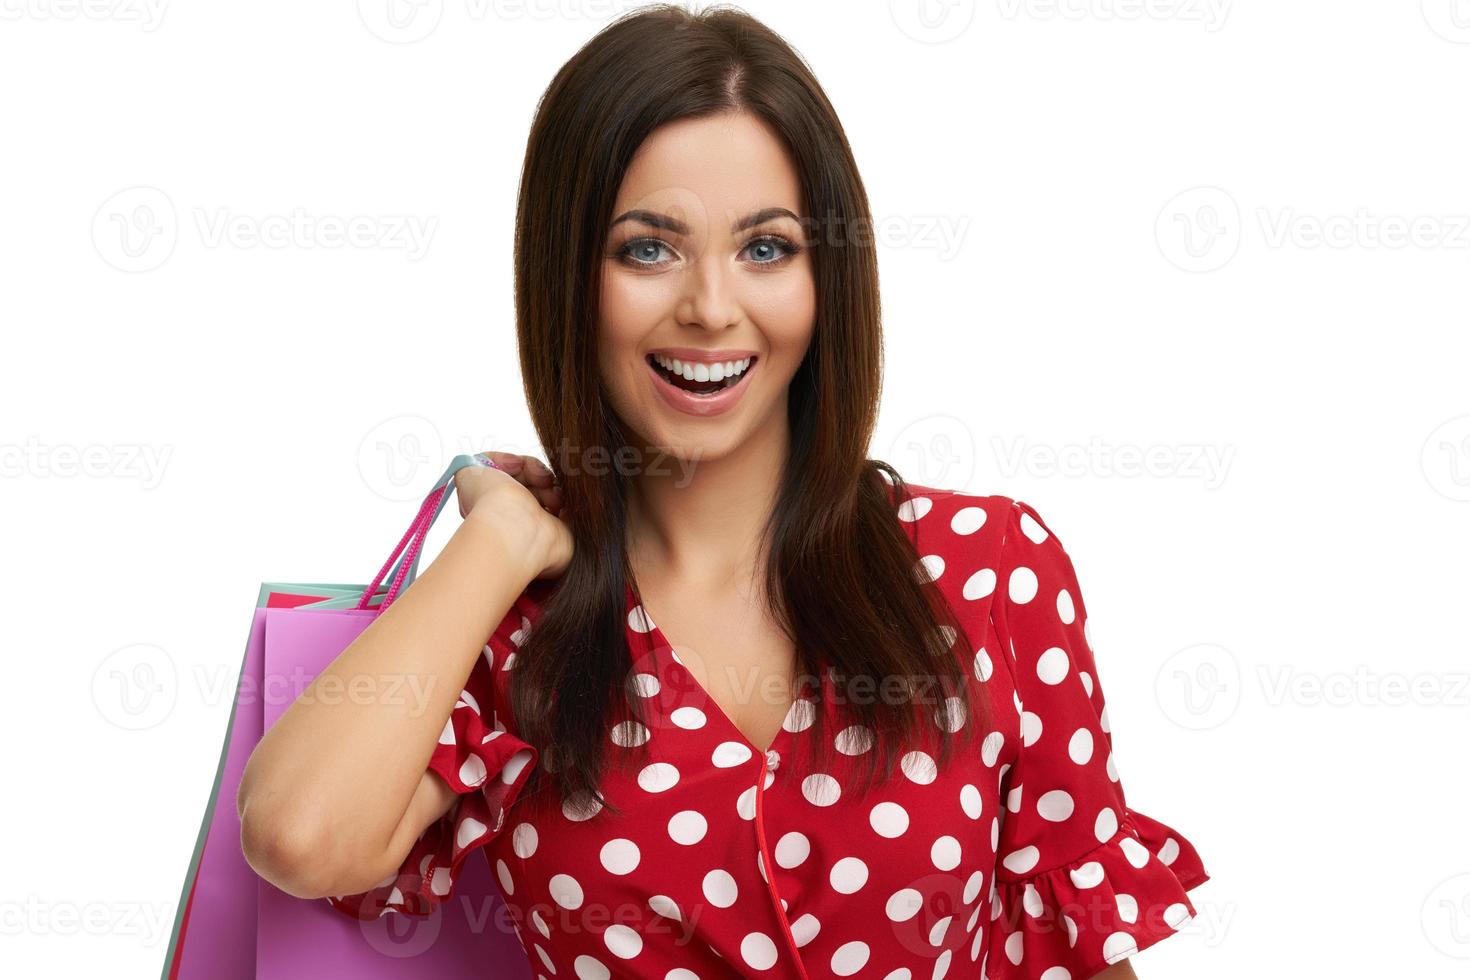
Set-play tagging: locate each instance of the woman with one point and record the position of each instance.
(775, 711)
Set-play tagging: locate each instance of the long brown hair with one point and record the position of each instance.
(843, 577)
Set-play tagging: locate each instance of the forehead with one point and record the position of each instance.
(711, 169)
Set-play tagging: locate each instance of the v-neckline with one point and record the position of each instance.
(658, 640)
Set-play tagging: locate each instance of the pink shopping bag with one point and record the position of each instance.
(234, 925)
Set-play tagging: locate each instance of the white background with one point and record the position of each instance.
(1188, 276)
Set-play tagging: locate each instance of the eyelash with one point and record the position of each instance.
(624, 254)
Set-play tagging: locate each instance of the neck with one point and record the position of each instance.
(698, 524)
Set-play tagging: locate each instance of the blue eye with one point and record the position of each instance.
(775, 247)
(638, 250)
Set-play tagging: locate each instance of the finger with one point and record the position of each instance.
(538, 474)
(512, 463)
(550, 498)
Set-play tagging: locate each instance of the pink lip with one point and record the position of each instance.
(700, 405)
(696, 356)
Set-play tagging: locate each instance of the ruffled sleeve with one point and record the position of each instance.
(1082, 881)
(482, 762)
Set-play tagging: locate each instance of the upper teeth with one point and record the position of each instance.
(700, 371)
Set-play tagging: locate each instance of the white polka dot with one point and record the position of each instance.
(1055, 806)
(854, 740)
(720, 888)
(820, 789)
(645, 685)
(688, 718)
(979, 585)
(758, 951)
(745, 804)
(904, 904)
(1031, 901)
(945, 853)
(1079, 749)
(502, 871)
(639, 621)
(622, 941)
(1135, 852)
(1169, 852)
(1065, 609)
(657, 777)
(727, 755)
(937, 931)
(1022, 585)
(1014, 947)
(619, 856)
(1030, 728)
(1052, 666)
(919, 767)
(1032, 529)
(1127, 908)
(1013, 799)
(1175, 915)
(523, 840)
(666, 907)
(473, 772)
(983, 666)
(1086, 681)
(929, 568)
(800, 716)
(914, 508)
(848, 875)
(688, 827)
(1022, 860)
(850, 958)
(792, 849)
(1106, 825)
(468, 831)
(967, 520)
(565, 891)
(990, 748)
(1088, 875)
(1056, 973)
(588, 968)
(952, 716)
(579, 810)
(889, 819)
(971, 801)
(805, 929)
(1119, 946)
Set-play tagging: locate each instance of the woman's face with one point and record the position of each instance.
(705, 265)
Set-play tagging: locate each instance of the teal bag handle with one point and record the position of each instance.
(403, 564)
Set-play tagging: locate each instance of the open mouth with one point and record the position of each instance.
(687, 378)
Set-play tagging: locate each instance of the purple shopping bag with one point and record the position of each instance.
(234, 925)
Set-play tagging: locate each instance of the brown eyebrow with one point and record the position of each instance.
(668, 223)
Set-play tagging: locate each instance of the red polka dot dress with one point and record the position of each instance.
(1020, 860)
